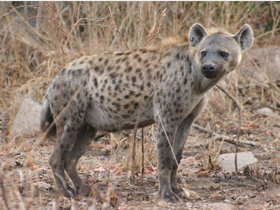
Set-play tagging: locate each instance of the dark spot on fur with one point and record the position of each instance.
(109, 68)
(185, 81)
(96, 68)
(119, 54)
(136, 105)
(106, 61)
(128, 69)
(131, 92)
(79, 72)
(100, 59)
(139, 59)
(126, 106)
(168, 65)
(133, 79)
(95, 82)
(125, 116)
(160, 145)
(143, 50)
(113, 75)
(117, 87)
(63, 71)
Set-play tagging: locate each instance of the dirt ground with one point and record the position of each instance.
(28, 182)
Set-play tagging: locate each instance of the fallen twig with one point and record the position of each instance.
(219, 137)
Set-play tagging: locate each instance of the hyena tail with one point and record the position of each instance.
(47, 123)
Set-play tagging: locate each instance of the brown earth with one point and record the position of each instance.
(27, 181)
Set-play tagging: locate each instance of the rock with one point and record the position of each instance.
(226, 161)
(27, 120)
(220, 206)
(266, 112)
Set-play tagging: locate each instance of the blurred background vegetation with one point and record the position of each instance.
(38, 38)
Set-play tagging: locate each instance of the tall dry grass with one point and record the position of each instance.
(38, 38)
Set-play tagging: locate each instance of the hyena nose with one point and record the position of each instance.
(208, 68)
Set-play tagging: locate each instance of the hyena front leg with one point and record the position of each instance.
(166, 162)
(180, 140)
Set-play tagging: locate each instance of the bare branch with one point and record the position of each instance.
(117, 30)
(57, 34)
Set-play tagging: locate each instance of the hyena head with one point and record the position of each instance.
(218, 52)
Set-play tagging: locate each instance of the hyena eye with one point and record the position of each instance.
(203, 53)
(224, 54)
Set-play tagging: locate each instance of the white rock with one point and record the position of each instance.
(27, 120)
(267, 112)
(220, 206)
(226, 161)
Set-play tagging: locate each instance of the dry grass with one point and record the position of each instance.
(38, 38)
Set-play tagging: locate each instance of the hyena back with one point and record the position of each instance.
(167, 84)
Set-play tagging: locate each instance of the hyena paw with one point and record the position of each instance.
(169, 195)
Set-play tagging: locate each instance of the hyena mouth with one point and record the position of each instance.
(214, 74)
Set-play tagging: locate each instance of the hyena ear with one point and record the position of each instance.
(196, 34)
(244, 37)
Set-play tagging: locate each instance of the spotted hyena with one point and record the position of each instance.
(167, 84)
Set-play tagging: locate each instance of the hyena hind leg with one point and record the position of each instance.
(85, 135)
(67, 136)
